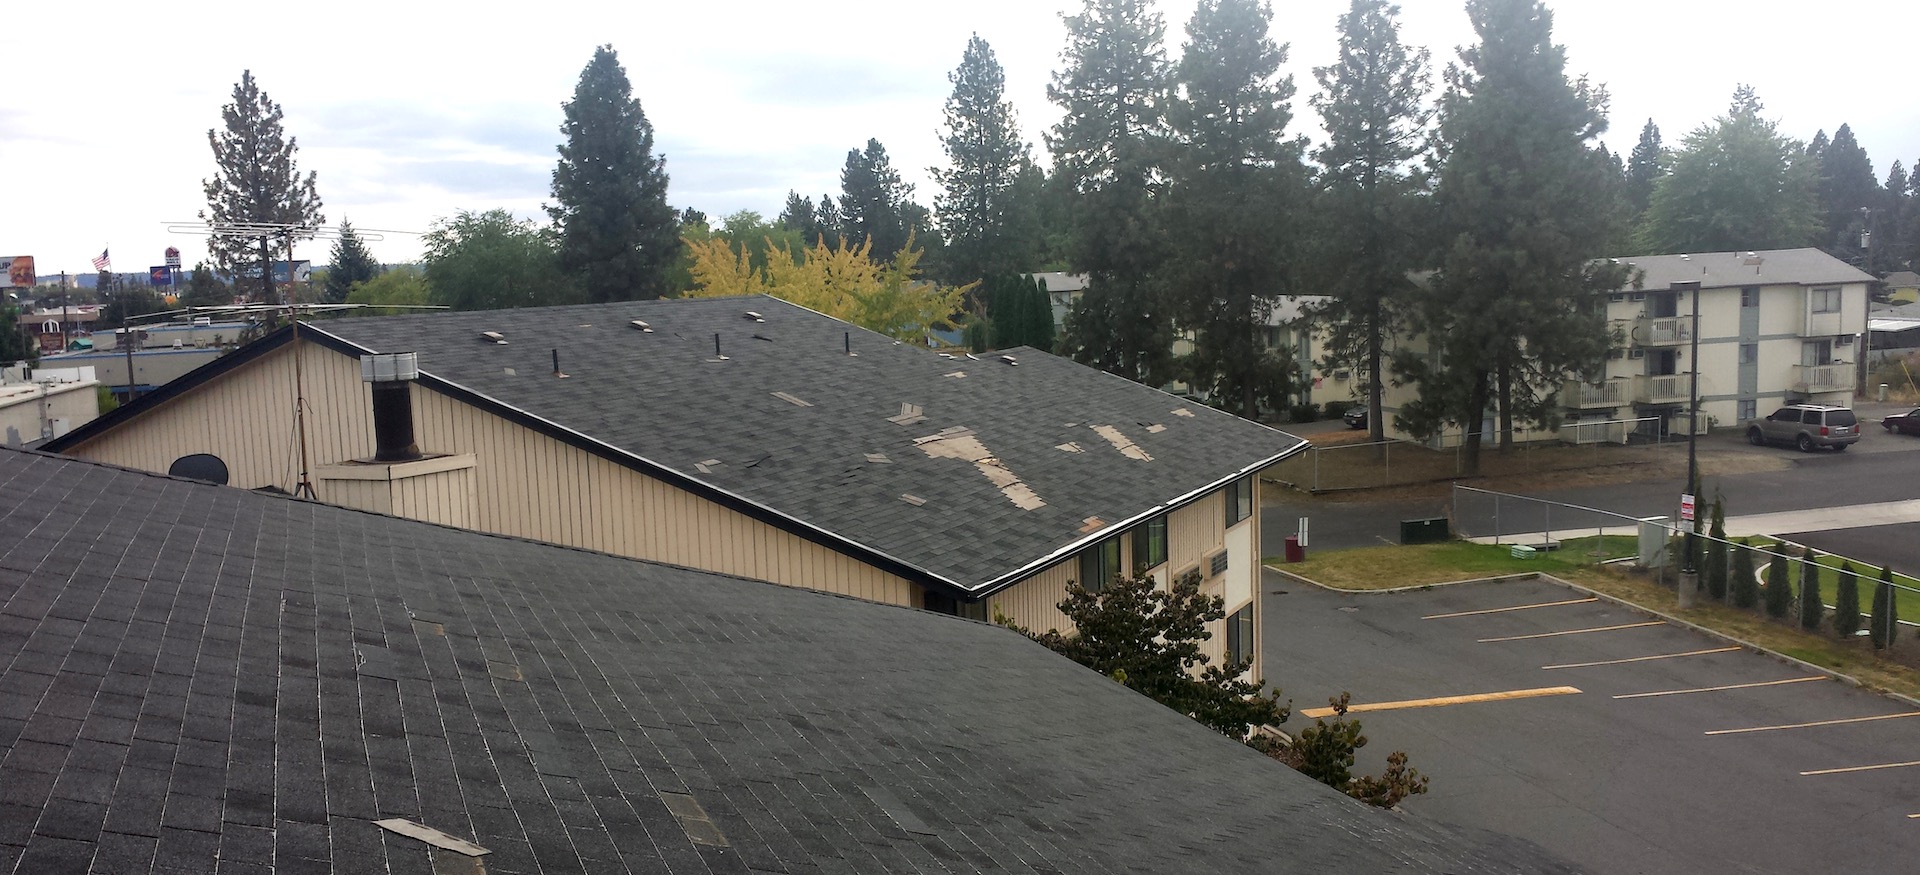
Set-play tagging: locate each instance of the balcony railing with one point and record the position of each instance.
(1577, 395)
(1823, 378)
(1662, 389)
(1663, 330)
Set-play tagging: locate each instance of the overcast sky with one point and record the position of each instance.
(415, 111)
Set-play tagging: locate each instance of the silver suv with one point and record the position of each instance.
(1806, 426)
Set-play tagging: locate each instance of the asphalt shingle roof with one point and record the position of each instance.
(791, 422)
(198, 679)
(1716, 270)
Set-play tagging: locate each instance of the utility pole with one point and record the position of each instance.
(1690, 502)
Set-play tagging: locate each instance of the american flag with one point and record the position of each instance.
(103, 262)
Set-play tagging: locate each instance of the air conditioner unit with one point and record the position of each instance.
(1843, 340)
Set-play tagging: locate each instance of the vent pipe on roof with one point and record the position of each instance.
(391, 374)
(556, 364)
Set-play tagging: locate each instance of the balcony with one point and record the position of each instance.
(1823, 325)
(1823, 378)
(1662, 389)
(1578, 395)
(1662, 330)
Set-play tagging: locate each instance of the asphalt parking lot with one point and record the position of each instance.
(1625, 744)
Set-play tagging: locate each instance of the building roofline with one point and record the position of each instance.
(181, 385)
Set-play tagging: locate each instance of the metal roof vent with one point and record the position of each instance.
(751, 316)
(1010, 360)
(641, 326)
(493, 337)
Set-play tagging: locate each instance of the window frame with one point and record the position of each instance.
(1238, 496)
(1240, 637)
(1749, 297)
(1149, 534)
(1093, 576)
(1825, 300)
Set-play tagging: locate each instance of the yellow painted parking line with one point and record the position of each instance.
(1815, 723)
(1641, 659)
(1504, 610)
(1574, 632)
(1445, 700)
(1723, 688)
(1912, 816)
(1904, 765)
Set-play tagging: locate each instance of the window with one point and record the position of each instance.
(1239, 495)
(1099, 564)
(1150, 543)
(1809, 417)
(1748, 410)
(1240, 637)
(1825, 300)
(1750, 297)
(1749, 353)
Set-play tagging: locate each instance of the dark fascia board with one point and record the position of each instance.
(187, 382)
(636, 462)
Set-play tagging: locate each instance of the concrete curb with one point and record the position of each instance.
(1712, 633)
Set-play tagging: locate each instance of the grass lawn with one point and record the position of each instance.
(1906, 601)
(1389, 567)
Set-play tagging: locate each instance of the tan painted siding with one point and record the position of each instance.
(372, 495)
(524, 483)
(1033, 602)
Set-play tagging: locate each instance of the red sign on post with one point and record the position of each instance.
(1686, 508)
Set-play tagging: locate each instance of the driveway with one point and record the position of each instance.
(1624, 743)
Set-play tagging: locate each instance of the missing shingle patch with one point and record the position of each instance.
(505, 671)
(1183, 412)
(1092, 524)
(1156, 428)
(791, 399)
(431, 836)
(912, 499)
(510, 372)
(879, 458)
(1069, 447)
(694, 819)
(908, 415)
(961, 443)
(900, 813)
(427, 627)
(1122, 443)
(957, 374)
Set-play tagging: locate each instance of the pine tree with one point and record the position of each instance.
(1735, 184)
(1846, 602)
(1847, 185)
(1885, 623)
(619, 238)
(799, 216)
(873, 202)
(828, 223)
(204, 289)
(1891, 222)
(1643, 168)
(1528, 207)
(1812, 607)
(1106, 152)
(1779, 589)
(1367, 236)
(256, 180)
(1716, 564)
(350, 264)
(976, 206)
(1742, 586)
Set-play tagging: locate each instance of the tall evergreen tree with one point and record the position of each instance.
(1733, 185)
(1847, 186)
(1716, 564)
(1743, 589)
(1812, 607)
(1106, 152)
(873, 202)
(828, 222)
(1779, 589)
(1369, 206)
(1234, 181)
(1526, 202)
(256, 180)
(977, 206)
(799, 216)
(1890, 225)
(1643, 168)
(619, 238)
(1846, 602)
(1884, 626)
(350, 264)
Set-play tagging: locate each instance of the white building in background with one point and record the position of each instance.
(39, 405)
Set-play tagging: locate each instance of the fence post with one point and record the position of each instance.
(1316, 469)
(1496, 519)
(1389, 457)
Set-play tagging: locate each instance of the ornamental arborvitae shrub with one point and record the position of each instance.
(1886, 621)
(1811, 607)
(1779, 591)
(1716, 564)
(1744, 588)
(1846, 602)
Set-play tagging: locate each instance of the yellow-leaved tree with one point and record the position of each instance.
(840, 281)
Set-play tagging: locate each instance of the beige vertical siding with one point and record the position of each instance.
(1033, 602)
(524, 483)
(373, 495)
(444, 497)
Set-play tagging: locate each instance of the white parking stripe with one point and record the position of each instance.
(1641, 658)
(1573, 632)
(1719, 689)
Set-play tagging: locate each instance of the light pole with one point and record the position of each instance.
(1690, 502)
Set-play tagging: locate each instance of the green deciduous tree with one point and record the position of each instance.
(255, 180)
(1233, 185)
(619, 239)
(1148, 637)
(402, 285)
(351, 265)
(1779, 589)
(1885, 624)
(1846, 602)
(491, 260)
(978, 206)
(1812, 608)
(1716, 565)
(1528, 206)
(1742, 586)
(1368, 234)
(1107, 151)
(1326, 752)
(15, 346)
(1735, 184)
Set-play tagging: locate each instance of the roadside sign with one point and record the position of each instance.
(1686, 507)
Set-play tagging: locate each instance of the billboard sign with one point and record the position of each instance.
(302, 271)
(16, 272)
(173, 257)
(160, 276)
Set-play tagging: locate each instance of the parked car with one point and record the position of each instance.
(1806, 426)
(1904, 423)
(1355, 417)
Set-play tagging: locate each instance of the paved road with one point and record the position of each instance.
(1633, 785)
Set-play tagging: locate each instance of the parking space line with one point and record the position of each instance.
(1723, 688)
(1573, 632)
(1641, 659)
(1814, 723)
(1445, 700)
(1864, 769)
(1513, 608)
